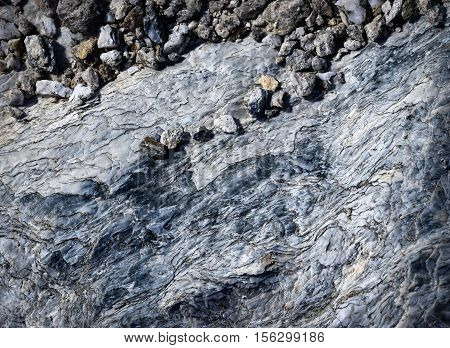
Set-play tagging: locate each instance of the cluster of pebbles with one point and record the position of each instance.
(70, 48)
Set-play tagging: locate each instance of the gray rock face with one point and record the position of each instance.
(108, 37)
(81, 93)
(325, 44)
(355, 10)
(153, 26)
(225, 123)
(172, 137)
(257, 102)
(334, 213)
(8, 30)
(112, 58)
(49, 88)
(284, 15)
(305, 84)
(79, 15)
(40, 53)
(299, 60)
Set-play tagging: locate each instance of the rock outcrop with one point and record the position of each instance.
(334, 213)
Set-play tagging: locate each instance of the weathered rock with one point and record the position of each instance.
(273, 40)
(297, 34)
(311, 19)
(386, 7)
(147, 57)
(333, 214)
(299, 60)
(355, 32)
(374, 29)
(355, 10)
(172, 137)
(46, 26)
(286, 48)
(48, 88)
(283, 16)
(10, 111)
(84, 48)
(319, 64)
(153, 148)
(134, 19)
(257, 102)
(178, 40)
(322, 7)
(269, 83)
(8, 30)
(3, 68)
(410, 10)
(79, 15)
(81, 93)
(16, 47)
(353, 45)
(90, 77)
(40, 53)
(203, 134)
(7, 13)
(112, 58)
(64, 46)
(436, 15)
(225, 123)
(307, 42)
(26, 82)
(250, 9)
(14, 97)
(306, 83)
(152, 25)
(12, 62)
(228, 23)
(278, 99)
(120, 8)
(24, 25)
(325, 44)
(394, 11)
(108, 38)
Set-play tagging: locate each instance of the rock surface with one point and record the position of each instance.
(48, 88)
(334, 213)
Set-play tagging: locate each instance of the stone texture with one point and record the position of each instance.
(257, 102)
(108, 37)
(269, 83)
(226, 124)
(84, 48)
(40, 53)
(172, 137)
(79, 15)
(305, 83)
(283, 16)
(112, 58)
(49, 88)
(81, 93)
(8, 30)
(333, 214)
(355, 10)
(325, 44)
(299, 60)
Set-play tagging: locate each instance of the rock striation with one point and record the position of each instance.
(334, 213)
(273, 173)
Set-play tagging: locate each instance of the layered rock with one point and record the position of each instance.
(332, 214)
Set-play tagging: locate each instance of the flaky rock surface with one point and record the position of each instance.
(333, 214)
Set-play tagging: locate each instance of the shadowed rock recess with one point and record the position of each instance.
(237, 172)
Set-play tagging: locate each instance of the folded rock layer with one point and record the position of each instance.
(332, 214)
